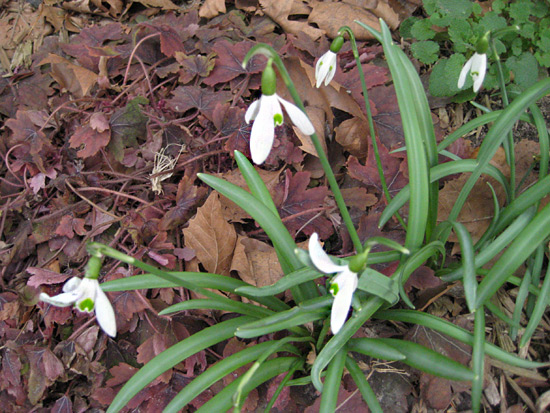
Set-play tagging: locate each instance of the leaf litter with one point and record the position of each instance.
(110, 111)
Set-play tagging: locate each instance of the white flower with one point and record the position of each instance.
(342, 287)
(86, 295)
(325, 68)
(477, 66)
(267, 113)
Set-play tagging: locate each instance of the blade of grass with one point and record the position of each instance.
(363, 386)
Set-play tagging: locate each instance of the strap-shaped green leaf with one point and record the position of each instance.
(445, 327)
(218, 371)
(174, 355)
(363, 385)
(374, 347)
(221, 303)
(288, 281)
(204, 280)
(378, 284)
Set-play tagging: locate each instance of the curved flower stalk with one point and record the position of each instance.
(267, 113)
(342, 286)
(86, 295)
(325, 69)
(477, 67)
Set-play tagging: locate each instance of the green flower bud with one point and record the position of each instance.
(483, 44)
(337, 44)
(358, 263)
(93, 267)
(269, 80)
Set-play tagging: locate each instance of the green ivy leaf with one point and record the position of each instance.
(422, 30)
(543, 58)
(426, 51)
(430, 6)
(525, 68)
(492, 21)
(517, 46)
(544, 41)
(541, 9)
(444, 76)
(406, 26)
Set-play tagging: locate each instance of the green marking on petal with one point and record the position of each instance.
(321, 63)
(86, 305)
(330, 68)
(278, 119)
(333, 289)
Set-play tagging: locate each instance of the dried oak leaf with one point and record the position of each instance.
(195, 97)
(394, 167)
(256, 262)
(229, 62)
(212, 237)
(302, 208)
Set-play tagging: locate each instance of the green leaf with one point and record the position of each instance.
(520, 10)
(422, 30)
(460, 33)
(378, 284)
(457, 9)
(375, 348)
(544, 41)
(430, 6)
(444, 76)
(525, 69)
(543, 58)
(127, 125)
(492, 21)
(426, 51)
(406, 26)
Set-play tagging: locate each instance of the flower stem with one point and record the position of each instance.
(372, 132)
(508, 143)
(270, 53)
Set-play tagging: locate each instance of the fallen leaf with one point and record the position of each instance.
(282, 10)
(212, 237)
(330, 16)
(187, 197)
(195, 97)
(211, 8)
(256, 262)
(353, 134)
(89, 140)
(75, 79)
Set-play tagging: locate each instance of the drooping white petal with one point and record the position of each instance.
(464, 72)
(479, 68)
(298, 117)
(72, 284)
(252, 111)
(263, 129)
(88, 288)
(347, 283)
(105, 313)
(320, 258)
(61, 300)
(325, 68)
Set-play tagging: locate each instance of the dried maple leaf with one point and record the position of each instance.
(229, 62)
(212, 237)
(296, 203)
(27, 128)
(195, 97)
(89, 140)
(127, 125)
(170, 40)
(195, 65)
(187, 197)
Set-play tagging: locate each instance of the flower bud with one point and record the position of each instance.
(269, 80)
(337, 44)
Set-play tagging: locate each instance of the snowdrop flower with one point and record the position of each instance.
(326, 65)
(477, 67)
(342, 287)
(86, 295)
(267, 113)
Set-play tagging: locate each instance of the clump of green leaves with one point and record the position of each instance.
(453, 27)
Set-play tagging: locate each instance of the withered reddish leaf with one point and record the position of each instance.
(212, 237)
(63, 405)
(121, 374)
(11, 369)
(187, 197)
(152, 347)
(297, 199)
(195, 97)
(395, 169)
(387, 118)
(53, 368)
(26, 130)
(99, 122)
(196, 65)
(127, 303)
(68, 225)
(170, 40)
(374, 76)
(42, 276)
(229, 62)
(228, 120)
(423, 277)
(92, 140)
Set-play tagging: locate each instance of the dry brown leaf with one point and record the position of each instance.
(211, 8)
(358, 197)
(353, 134)
(318, 118)
(211, 237)
(75, 79)
(281, 10)
(331, 16)
(162, 4)
(256, 262)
